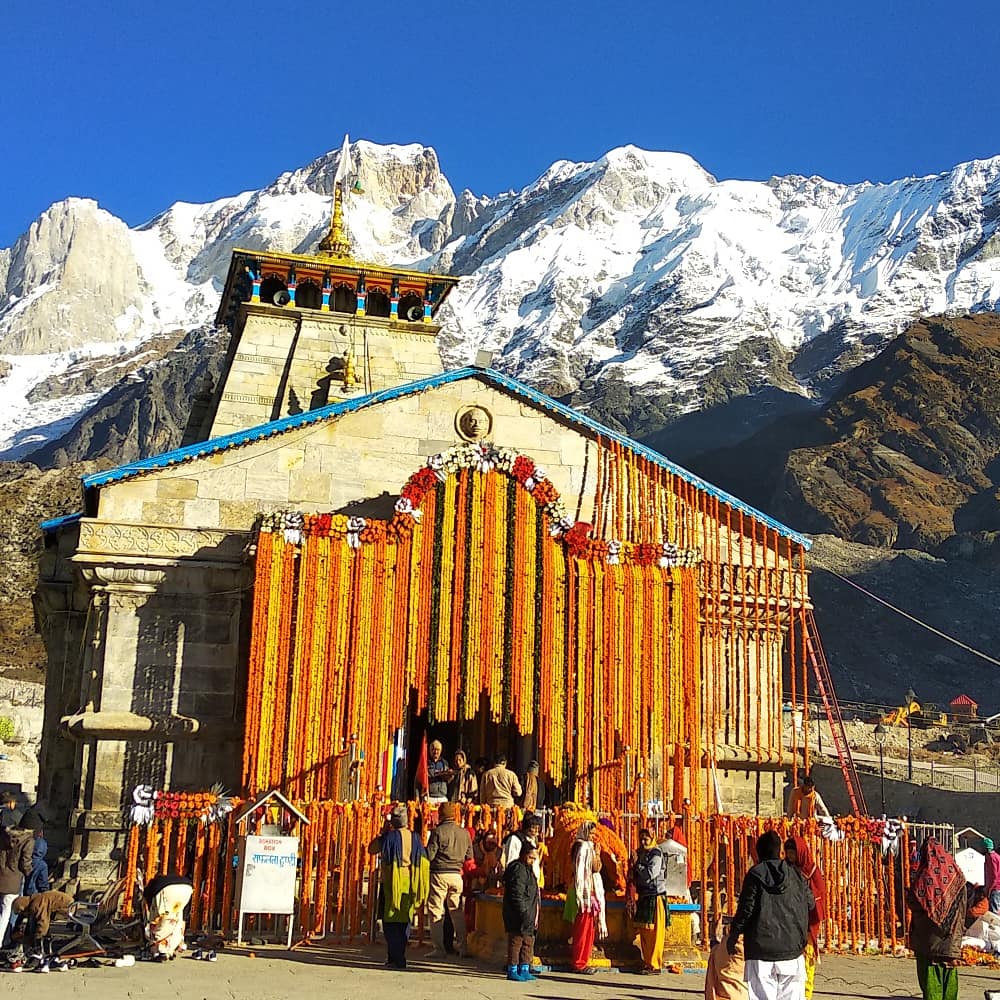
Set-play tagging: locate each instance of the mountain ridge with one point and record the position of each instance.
(639, 269)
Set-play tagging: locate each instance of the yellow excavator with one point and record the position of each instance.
(914, 713)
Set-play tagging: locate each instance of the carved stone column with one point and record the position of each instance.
(156, 682)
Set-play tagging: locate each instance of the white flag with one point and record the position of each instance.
(344, 167)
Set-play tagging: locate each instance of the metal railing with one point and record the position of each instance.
(943, 833)
(961, 776)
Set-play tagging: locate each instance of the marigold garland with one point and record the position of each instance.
(210, 806)
(481, 585)
(559, 865)
(864, 909)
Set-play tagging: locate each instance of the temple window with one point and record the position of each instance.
(270, 287)
(411, 307)
(344, 299)
(308, 295)
(378, 303)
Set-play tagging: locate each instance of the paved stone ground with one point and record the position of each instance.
(343, 974)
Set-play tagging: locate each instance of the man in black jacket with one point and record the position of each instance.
(773, 917)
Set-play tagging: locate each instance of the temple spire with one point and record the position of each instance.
(335, 243)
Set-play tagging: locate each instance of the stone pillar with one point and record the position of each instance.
(159, 682)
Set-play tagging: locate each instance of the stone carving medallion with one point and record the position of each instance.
(474, 423)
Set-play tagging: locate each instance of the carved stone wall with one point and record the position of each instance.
(151, 624)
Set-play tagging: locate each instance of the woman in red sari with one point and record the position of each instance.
(798, 853)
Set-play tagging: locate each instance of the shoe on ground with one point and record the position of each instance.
(433, 953)
(525, 976)
(210, 956)
(587, 971)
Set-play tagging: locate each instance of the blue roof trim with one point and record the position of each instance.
(55, 523)
(252, 434)
(640, 449)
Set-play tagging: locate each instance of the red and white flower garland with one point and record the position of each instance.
(481, 457)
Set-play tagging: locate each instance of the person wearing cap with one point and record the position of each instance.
(991, 875)
(448, 848)
(520, 912)
(405, 880)
(531, 829)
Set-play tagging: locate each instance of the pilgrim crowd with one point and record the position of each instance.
(30, 907)
(770, 951)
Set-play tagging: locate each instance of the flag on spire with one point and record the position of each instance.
(344, 167)
(336, 243)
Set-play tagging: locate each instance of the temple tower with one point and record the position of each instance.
(307, 330)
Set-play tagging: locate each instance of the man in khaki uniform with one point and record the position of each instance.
(448, 847)
(500, 786)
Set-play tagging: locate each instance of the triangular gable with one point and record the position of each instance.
(489, 377)
(274, 794)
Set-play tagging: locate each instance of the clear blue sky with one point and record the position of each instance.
(142, 104)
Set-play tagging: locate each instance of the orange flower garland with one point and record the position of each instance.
(480, 585)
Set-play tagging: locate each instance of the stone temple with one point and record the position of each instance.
(629, 625)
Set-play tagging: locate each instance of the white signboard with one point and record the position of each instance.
(267, 877)
(972, 865)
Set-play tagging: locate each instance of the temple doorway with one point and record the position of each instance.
(482, 739)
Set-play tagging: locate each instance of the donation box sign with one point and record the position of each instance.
(270, 865)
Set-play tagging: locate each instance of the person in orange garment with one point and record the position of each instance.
(584, 907)
(805, 801)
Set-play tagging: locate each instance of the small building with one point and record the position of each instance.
(962, 707)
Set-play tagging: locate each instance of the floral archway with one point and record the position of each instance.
(479, 585)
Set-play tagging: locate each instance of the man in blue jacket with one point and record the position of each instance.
(773, 918)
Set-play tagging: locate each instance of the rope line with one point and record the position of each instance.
(915, 620)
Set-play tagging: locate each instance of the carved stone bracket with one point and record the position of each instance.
(131, 726)
(145, 540)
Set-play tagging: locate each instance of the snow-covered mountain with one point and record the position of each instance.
(640, 269)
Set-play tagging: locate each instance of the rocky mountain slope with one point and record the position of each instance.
(876, 654)
(905, 455)
(27, 496)
(639, 275)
